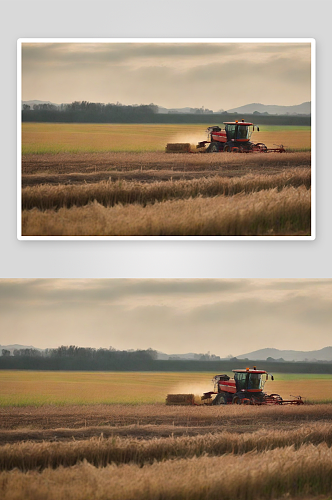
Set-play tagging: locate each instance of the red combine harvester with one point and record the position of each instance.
(245, 388)
(235, 138)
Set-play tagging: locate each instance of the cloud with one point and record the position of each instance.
(173, 315)
(75, 291)
(296, 284)
(67, 53)
(102, 53)
(168, 74)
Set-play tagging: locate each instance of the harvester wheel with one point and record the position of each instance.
(213, 148)
(241, 400)
(262, 147)
(220, 399)
(227, 148)
(277, 398)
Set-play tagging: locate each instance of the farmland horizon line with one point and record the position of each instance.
(190, 356)
(244, 108)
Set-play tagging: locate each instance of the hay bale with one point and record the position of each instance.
(178, 147)
(180, 399)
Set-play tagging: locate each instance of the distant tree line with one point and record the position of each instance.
(76, 358)
(88, 359)
(91, 112)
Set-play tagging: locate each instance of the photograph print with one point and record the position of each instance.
(166, 138)
(168, 389)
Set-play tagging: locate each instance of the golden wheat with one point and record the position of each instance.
(101, 451)
(109, 194)
(252, 476)
(262, 213)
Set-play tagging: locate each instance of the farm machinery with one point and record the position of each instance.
(245, 388)
(235, 138)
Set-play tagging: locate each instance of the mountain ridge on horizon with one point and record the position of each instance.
(324, 354)
(303, 109)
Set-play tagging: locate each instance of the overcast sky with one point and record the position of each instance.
(174, 316)
(216, 76)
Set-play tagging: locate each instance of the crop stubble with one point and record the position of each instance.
(125, 162)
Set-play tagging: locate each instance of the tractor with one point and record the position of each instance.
(245, 388)
(235, 138)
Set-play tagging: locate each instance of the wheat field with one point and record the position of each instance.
(267, 475)
(268, 212)
(266, 464)
(45, 196)
(101, 451)
(60, 441)
(117, 180)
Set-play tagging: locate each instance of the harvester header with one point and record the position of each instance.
(234, 138)
(246, 387)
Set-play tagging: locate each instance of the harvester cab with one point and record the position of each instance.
(250, 380)
(234, 131)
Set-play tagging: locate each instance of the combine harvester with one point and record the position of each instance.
(245, 388)
(235, 138)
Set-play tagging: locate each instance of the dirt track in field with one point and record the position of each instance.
(80, 168)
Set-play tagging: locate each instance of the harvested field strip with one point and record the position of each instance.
(151, 176)
(66, 163)
(253, 476)
(219, 417)
(109, 194)
(129, 431)
(90, 178)
(262, 213)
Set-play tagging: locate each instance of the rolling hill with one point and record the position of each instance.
(324, 354)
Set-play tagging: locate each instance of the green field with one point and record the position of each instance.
(23, 388)
(52, 138)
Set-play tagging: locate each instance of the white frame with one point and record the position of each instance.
(312, 41)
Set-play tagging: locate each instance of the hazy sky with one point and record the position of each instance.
(217, 76)
(174, 316)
